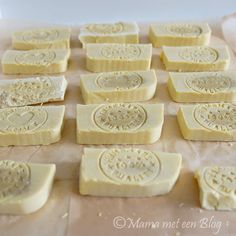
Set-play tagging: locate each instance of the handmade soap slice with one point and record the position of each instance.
(29, 91)
(198, 58)
(179, 34)
(128, 172)
(41, 61)
(31, 125)
(115, 57)
(212, 122)
(202, 86)
(24, 187)
(119, 123)
(119, 86)
(217, 187)
(41, 38)
(120, 32)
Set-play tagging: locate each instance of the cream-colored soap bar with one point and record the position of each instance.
(119, 86)
(41, 38)
(31, 125)
(115, 57)
(198, 58)
(212, 122)
(217, 187)
(120, 32)
(24, 187)
(119, 123)
(179, 34)
(202, 86)
(128, 172)
(41, 61)
(29, 91)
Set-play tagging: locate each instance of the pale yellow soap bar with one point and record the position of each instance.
(119, 86)
(119, 123)
(217, 187)
(42, 38)
(128, 172)
(31, 125)
(41, 61)
(179, 34)
(196, 58)
(208, 122)
(119, 32)
(114, 57)
(202, 86)
(24, 187)
(29, 91)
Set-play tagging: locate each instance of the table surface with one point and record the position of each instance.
(69, 213)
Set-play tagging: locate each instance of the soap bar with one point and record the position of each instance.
(198, 58)
(31, 125)
(120, 32)
(29, 91)
(212, 122)
(179, 34)
(114, 57)
(217, 187)
(119, 123)
(202, 86)
(119, 86)
(24, 187)
(128, 172)
(41, 38)
(41, 61)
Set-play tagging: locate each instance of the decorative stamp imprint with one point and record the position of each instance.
(221, 179)
(121, 51)
(209, 84)
(40, 36)
(199, 54)
(25, 92)
(130, 166)
(217, 117)
(14, 178)
(184, 30)
(40, 58)
(106, 28)
(119, 80)
(120, 117)
(22, 119)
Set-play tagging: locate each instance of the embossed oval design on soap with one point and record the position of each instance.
(130, 166)
(39, 58)
(184, 30)
(40, 36)
(121, 51)
(22, 93)
(209, 84)
(221, 179)
(199, 54)
(120, 117)
(119, 80)
(14, 178)
(105, 28)
(22, 119)
(218, 117)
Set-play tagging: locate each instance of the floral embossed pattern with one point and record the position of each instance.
(105, 28)
(130, 165)
(184, 30)
(14, 178)
(120, 117)
(218, 117)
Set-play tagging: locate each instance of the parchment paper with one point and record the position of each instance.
(68, 213)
